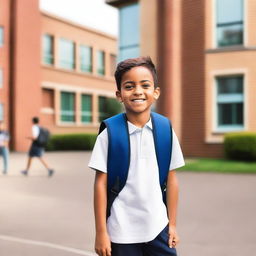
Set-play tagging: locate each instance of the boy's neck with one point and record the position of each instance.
(138, 120)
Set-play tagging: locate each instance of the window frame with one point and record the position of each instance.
(229, 127)
(130, 49)
(101, 71)
(215, 25)
(86, 113)
(68, 64)
(88, 70)
(67, 112)
(101, 115)
(1, 36)
(51, 55)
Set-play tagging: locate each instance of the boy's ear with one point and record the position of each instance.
(118, 96)
(157, 93)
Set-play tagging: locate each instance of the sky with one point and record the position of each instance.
(90, 13)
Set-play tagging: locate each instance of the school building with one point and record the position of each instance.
(54, 69)
(205, 51)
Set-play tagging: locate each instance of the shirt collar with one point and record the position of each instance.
(132, 128)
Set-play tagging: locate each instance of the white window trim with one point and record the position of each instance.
(229, 72)
(214, 19)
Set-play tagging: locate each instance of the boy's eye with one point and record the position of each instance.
(146, 85)
(128, 87)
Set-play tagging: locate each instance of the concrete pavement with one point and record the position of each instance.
(54, 216)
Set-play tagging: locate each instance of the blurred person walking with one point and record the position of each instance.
(39, 139)
(4, 146)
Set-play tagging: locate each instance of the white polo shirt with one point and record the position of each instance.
(35, 130)
(138, 214)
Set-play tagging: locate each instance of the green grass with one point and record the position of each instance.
(219, 165)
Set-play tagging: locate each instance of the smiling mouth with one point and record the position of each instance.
(138, 100)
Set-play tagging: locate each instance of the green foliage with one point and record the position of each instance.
(240, 146)
(71, 142)
(218, 165)
(113, 107)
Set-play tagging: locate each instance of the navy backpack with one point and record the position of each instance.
(119, 152)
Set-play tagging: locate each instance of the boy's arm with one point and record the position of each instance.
(102, 241)
(172, 191)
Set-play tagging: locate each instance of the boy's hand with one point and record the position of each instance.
(173, 237)
(103, 245)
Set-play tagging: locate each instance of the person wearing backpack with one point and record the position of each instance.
(39, 139)
(135, 157)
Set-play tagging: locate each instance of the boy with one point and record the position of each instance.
(139, 223)
(35, 149)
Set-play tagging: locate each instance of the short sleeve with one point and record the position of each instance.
(98, 160)
(177, 159)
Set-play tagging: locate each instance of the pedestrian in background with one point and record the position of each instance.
(37, 148)
(4, 146)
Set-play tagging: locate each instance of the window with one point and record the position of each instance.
(230, 103)
(86, 114)
(102, 108)
(1, 112)
(48, 49)
(67, 54)
(1, 36)
(100, 62)
(1, 78)
(85, 58)
(229, 22)
(129, 46)
(67, 107)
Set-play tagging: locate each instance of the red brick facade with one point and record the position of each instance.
(33, 88)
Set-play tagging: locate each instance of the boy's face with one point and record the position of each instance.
(138, 92)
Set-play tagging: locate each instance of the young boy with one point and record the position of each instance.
(139, 223)
(36, 150)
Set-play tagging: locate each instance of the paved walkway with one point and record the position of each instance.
(54, 217)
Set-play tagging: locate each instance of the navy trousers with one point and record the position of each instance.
(157, 247)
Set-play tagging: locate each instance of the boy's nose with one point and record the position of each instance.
(138, 90)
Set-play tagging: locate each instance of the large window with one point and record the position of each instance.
(48, 49)
(85, 58)
(129, 44)
(230, 103)
(230, 22)
(86, 105)
(101, 63)
(67, 107)
(1, 78)
(67, 54)
(1, 36)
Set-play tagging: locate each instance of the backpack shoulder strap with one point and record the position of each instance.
(118, 160)
(162, 131)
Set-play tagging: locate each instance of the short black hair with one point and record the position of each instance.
(128, 64)
(35, 120)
